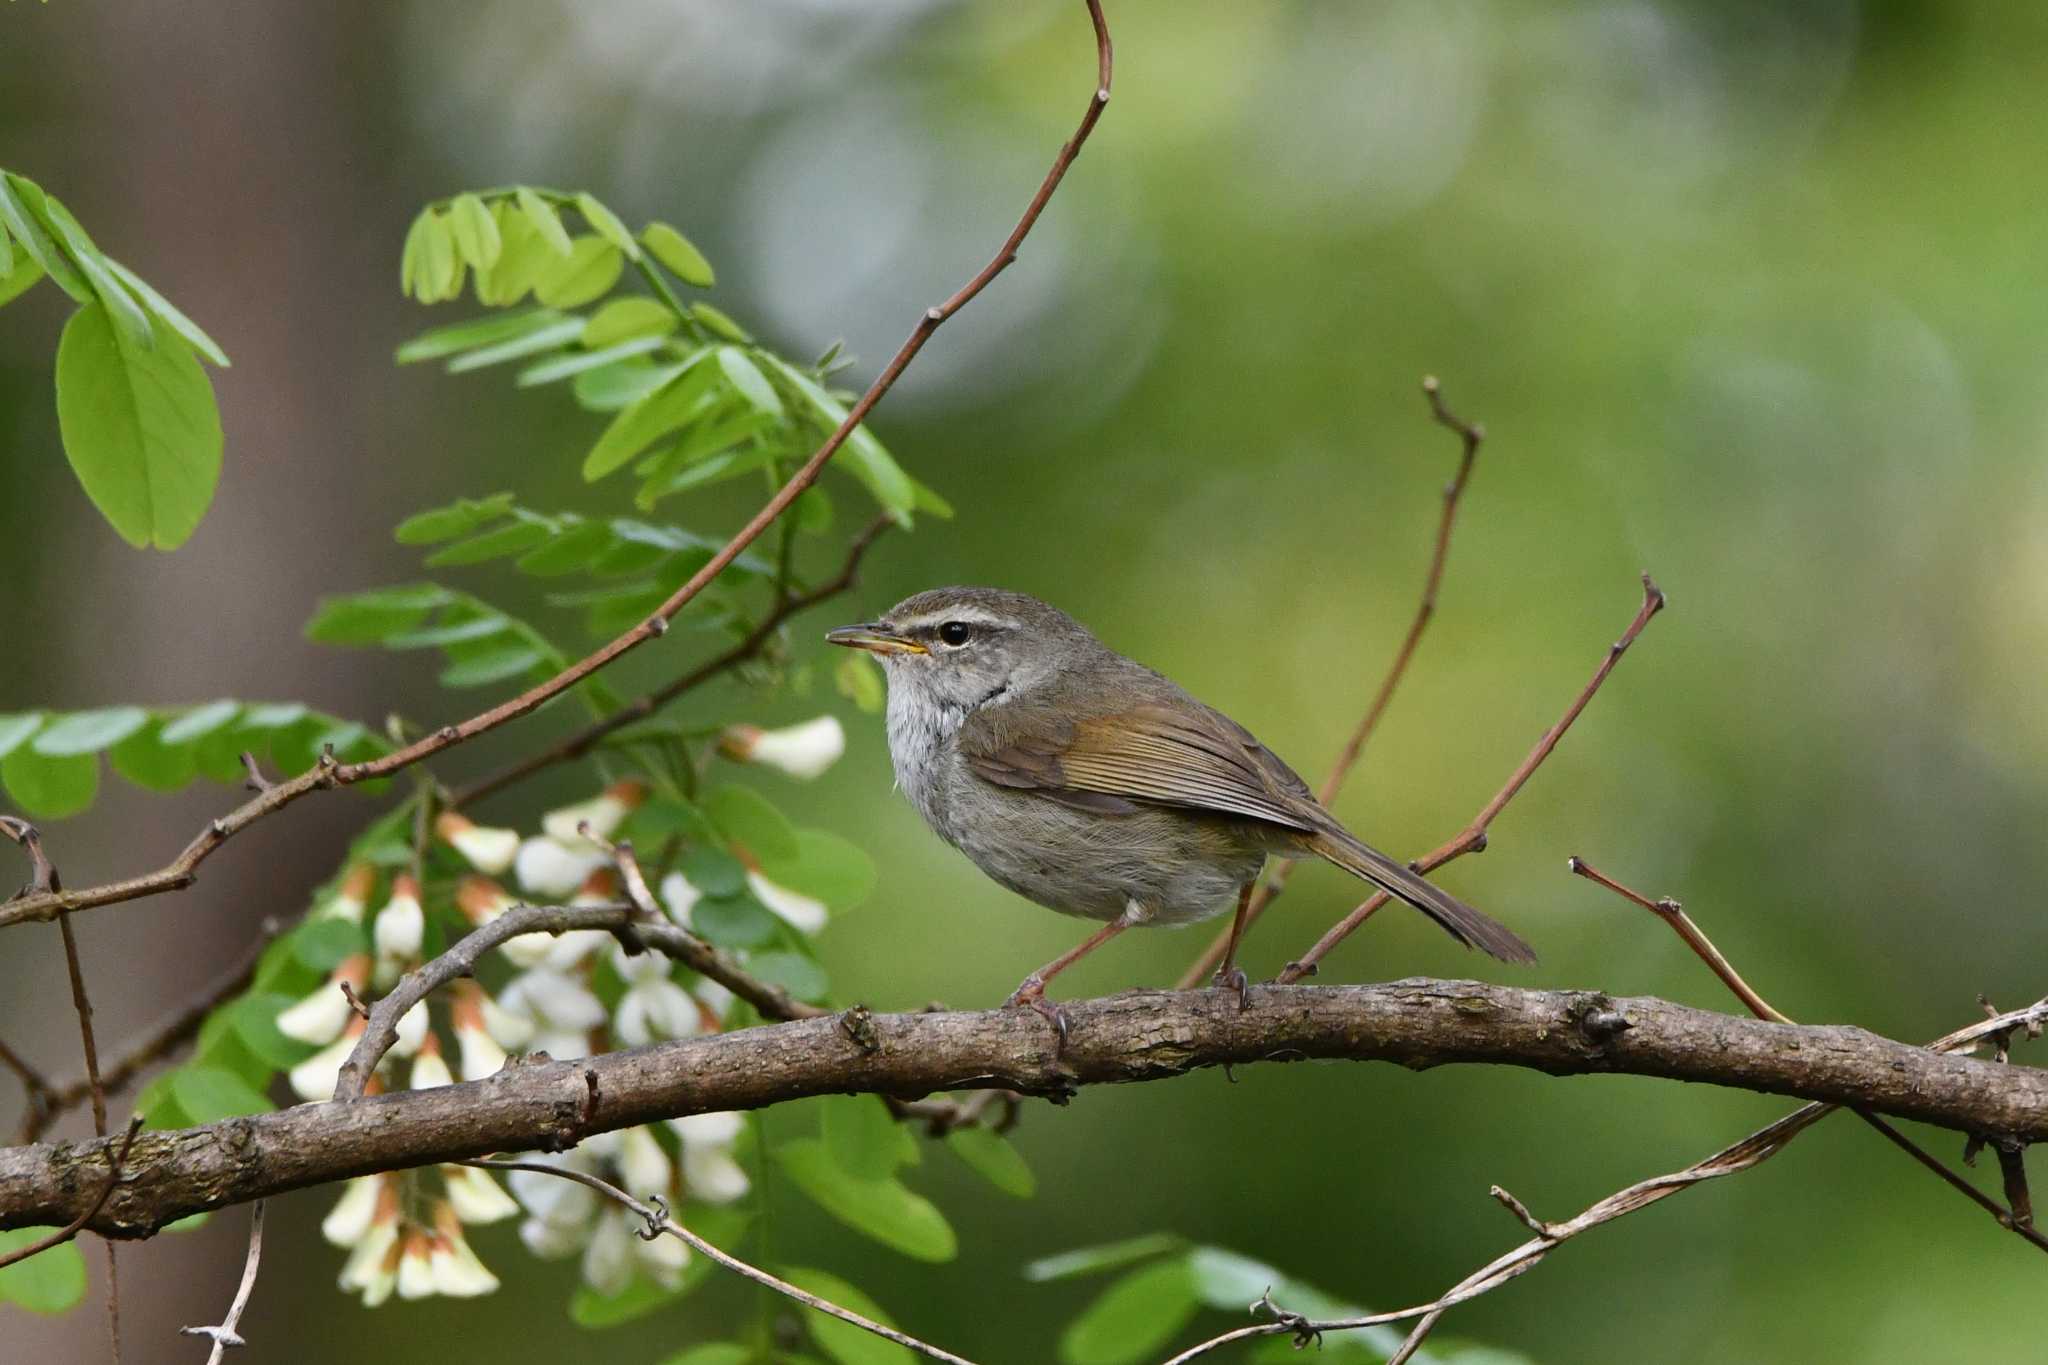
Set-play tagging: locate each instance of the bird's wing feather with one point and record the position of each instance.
(1182, 756)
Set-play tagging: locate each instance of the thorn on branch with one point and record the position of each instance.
(256, 781)
(355, 1002)
(1547, 1231)
(42, 869)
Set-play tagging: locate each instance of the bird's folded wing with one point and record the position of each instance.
(1158, 755)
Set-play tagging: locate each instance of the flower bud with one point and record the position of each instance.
(415, 1266)
(429, 1069)
(803, 751)
(806, 915)
(457, 1272)
(349, 1220)
(401, 925)
(603, 814)
(476, 1197)
(481, 1055)
(548, 867)
(321, 1016)
(351, 897)
(314, 1078)
(488, 850)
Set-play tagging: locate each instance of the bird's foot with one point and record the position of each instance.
(1032, 993)
(1233, 978)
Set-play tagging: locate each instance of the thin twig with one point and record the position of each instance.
(748, 647)
(160, 1042)
(183, 870)
(659, 1221)
(91, 1211)
(1695, 938)
(1751, 1151)
(1470, 436)
(225, 1334)
(1472, 838)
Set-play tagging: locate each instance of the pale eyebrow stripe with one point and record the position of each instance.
(972, 615)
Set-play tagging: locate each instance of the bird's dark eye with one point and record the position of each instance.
(955, 633)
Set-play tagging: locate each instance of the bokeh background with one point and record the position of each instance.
(1747, 294)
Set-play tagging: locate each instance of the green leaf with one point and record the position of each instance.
(365, 618)
(144, 759)
(870, 463)
(992, 1157)
(837, 1338)
(712, 1353)
(885, 1210)
(17, 277)
(861, 1136)
(127, 313)
(458, 518)
(575, 363)
(88, 732)
(254, 1020)
(541, 214)
(1228, 1281)
(428, 268)
(48, 1282)
(518, 348)
(521, 257)
(483, 331)
(17, 728)
(614, 386)
(200, 721)
(210, 1094)
(718, 322)
(323, 944)
(493, 665)
(1096, 1259)
(21, 203)
(588, 1308)
(674, 250)
(1133, 1318)
(826, 867)
(680, 400)
(627, 318)
(859, 679)
(171, 317)
(140, 428)
(475, 232)
(607, 224)
(592, 267)
(714, 872)
(751, 383)
(513, 538)
(454, 632)
(49, 788)
(737, 921)
(748, 819)
(794, 972)
(572, 548)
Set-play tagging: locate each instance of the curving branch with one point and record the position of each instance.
(1137, 1036)
(183, 870)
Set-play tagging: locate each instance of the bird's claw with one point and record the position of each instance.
(1032, 993)
(1233, 978)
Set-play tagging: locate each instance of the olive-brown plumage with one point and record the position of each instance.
(1095, 786)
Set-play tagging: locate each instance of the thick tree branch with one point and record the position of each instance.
(1138, 1036)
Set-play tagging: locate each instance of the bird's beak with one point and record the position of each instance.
(875, 638)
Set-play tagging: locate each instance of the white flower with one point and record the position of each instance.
(314, 1078)
(349, 1220)
(803, 751)
(488, 850)
(429, 1069)
(807, 915)
(550, 868)
(373, 1265)
(457, 1272)
(475, 1196)
(411, 1029)
(352, 897)
(709, 1171)
(570, 947)
(415, 1266)
(603, 814)
(321, 1016)
(678, 895)
(399, 929)
(565, 1217)
(552, 1000)
(481, 1056)
(653, 1005)
(642, 1163)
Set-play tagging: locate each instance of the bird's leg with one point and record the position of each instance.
(1229, 973)
(1032, 991)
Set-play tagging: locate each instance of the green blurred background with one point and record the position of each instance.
(1746, 294)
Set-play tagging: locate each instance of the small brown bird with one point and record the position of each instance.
(1097, 787)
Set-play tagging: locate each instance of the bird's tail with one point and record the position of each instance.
(1460, 921)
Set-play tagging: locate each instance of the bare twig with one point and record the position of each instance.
(1472, 838)
(117, 1158)
(183, 870)
(1751, 1151)
(659, 1222)
(158, 1043)
(225, 1334)
(1131, 1037)
(748, 647)
(1470, 435)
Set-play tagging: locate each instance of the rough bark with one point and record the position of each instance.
(1139, 1036)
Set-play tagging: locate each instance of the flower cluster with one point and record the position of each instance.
(567, 995)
